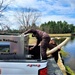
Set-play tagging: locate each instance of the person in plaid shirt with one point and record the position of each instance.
(43, 38)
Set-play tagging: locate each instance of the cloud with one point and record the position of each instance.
(57, 18)
(24, 3)
(55, 10)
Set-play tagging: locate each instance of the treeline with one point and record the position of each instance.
(57, 27)
(51, 27)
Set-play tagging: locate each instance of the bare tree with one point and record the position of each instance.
(27, 18)
(35, 16)
(5, 28)
(3, 5)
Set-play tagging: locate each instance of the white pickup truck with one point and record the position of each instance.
(16, 60)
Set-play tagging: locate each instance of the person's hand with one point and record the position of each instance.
(27, 48)
(31, 48)
(59, 47)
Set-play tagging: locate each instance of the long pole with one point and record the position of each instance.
(58, 46)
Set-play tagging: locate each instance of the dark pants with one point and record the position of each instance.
(55, 55)
(44, 46)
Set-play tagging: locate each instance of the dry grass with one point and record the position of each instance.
(32, 40)
(61, 35)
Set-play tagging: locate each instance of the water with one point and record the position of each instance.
(70, 48)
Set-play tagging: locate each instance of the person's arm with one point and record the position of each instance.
(30, 31)
(37, 43)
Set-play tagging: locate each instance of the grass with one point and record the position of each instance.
(32, 40)
(61, 35)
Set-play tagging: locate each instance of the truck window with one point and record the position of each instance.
(4, 47)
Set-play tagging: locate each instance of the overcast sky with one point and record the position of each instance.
(55, 10)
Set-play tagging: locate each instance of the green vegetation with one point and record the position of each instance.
(63, 53)
(50, 27)
(69, 71)
(57, 27)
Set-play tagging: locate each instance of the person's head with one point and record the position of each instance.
(34, 35)
(52, 41)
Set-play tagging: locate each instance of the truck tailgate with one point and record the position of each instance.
(21, 67)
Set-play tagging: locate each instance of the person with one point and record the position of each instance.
(43, 38)
(55, 54)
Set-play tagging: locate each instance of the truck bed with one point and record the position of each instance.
(21, 67)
